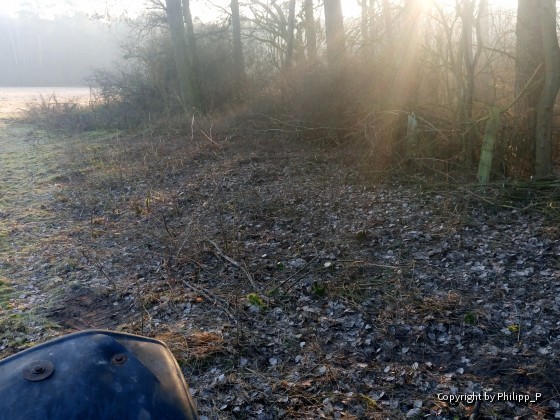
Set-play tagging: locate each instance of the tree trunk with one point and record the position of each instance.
(488, 144)
(406, 77)
(486, 87)
(365, 23)
(387, 21)
(191, 51)
(189, 31)
(237, 45)
(467, 17)
(545, 108)
(334, 31)
(185, 74)
(530, 55)
(290, 40)
(529, 50)
(466, 96)
(310, 35)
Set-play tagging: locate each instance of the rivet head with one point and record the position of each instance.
(38, 370)
(118, 359)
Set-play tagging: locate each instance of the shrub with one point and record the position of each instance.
(52, 114)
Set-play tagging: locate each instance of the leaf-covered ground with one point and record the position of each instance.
(285, 284)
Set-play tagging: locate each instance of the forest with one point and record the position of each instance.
(439, 83)
(324, 211)
(55, 52)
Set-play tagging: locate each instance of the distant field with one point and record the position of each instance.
(14, 101)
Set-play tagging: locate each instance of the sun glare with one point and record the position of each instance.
(500, 4)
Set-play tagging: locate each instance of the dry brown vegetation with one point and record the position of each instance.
(300, 252)
(286, 281)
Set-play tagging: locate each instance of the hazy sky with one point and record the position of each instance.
(199, 8)
(50, 8)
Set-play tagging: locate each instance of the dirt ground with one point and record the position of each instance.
(286, 283)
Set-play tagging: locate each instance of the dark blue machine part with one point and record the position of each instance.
(95, 375)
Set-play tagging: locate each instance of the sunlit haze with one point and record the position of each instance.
(201, 9)
(51, 8)
(503, 4)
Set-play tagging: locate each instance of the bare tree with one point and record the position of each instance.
(310, 34)
(185, 74)
(468, 56)
(334, 30)
(485, 89)
(387, 20)
(365, 21)
(269, 26)
(466, 12)
(189, 32)
(237, 45)
(407, 54)
(529, 59)
(290, 40)
(545, 106)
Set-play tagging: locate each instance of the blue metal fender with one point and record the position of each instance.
(97, 375)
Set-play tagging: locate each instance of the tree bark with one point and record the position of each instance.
(191, 52)
(310, 34)
(545, 108)
(334, 31)
(529, 50)
(189, 32)
(290, 40)
(486, 88)
(467, 73)
(467, 17)
(237, 45)
(488, 143)
(185, 74)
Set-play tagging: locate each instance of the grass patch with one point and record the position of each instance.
(6, 293)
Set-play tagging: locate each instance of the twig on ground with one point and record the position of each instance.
(223, 305)
(220, 253)
(99, 267)
(476, 410)
(295, 277)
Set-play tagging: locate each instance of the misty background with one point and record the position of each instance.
(61, 51)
